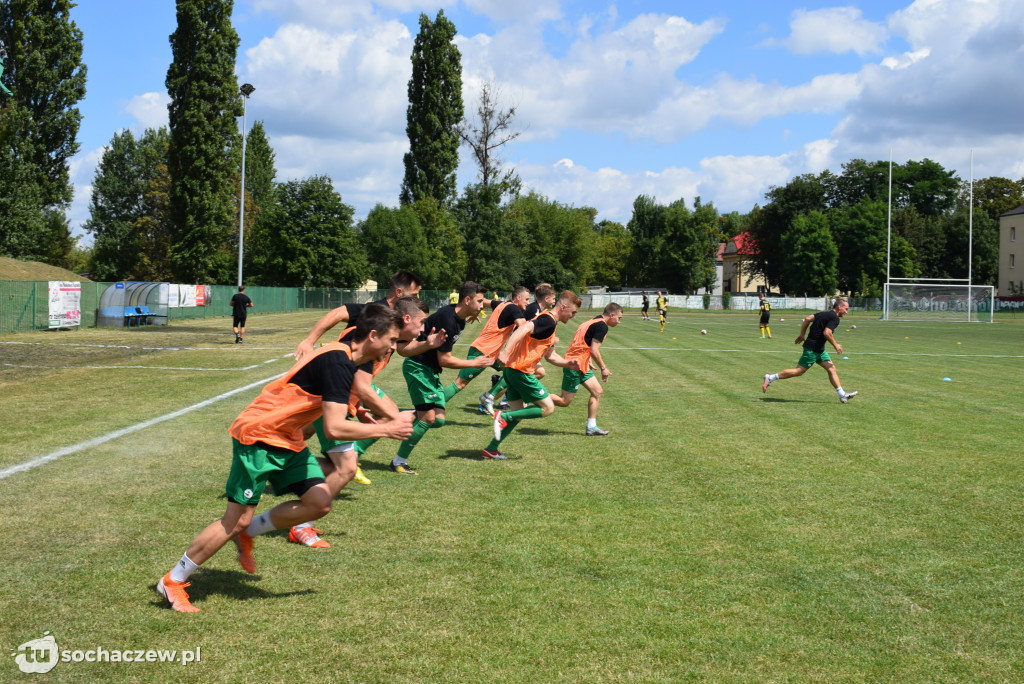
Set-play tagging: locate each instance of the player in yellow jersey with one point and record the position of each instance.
(662, 303)
(766, 309)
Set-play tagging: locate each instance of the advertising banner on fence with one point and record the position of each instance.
(65, 303)
(188, 295)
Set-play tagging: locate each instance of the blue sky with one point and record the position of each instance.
(614, 99)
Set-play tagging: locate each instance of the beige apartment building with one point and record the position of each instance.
(1011, 224)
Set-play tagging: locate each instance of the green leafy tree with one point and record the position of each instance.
(260, 192)
(612, 243)
(493, 239)
(994, 195)
(810, 266)
(315, 243)
(435, 110)
(557, 238)
(984, 248)
(926, 236)
(445, 267)
(647, 230)
(129, 243)
(800, 196)
(396, 239)
(38, 126)
(117, 196)
(204, 103)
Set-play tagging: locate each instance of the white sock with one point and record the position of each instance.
(184, 568)
(304, 525)
(840, 392)
(591, 423)
(772, 378)
(260, 525)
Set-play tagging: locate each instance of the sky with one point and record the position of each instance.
(673, 99)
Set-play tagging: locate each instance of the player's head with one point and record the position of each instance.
(840, 306)
(241, 288)
(760, 295)
(521, 296)
(412, 311)
(659, 293)
(545, 295)
(378, 326)
(405, 283)
(471, 295)
(568, 304)
(612, 314)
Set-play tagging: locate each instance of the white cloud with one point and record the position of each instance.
(836, 30)
(149, 109)
(82, 170)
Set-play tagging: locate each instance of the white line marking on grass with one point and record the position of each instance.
(138, 367)
(74, 448)
(790, 351)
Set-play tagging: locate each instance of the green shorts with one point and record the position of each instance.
(572, 379)
(809, 358)
(468, 374)
(253, 465)
(423, 383)
(523, 386)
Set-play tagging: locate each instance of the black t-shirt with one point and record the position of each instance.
(240, 304)
(816, 336)
(354, 311)
(445, 319)
(346, 337)
(532, 309)
(509, 315)
(597, 331)
(543, 327)
(328, 376)
(646, 301)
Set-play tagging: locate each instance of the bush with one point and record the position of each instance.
(726, 298)
(707, 301)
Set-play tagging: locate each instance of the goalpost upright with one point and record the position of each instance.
(935, 299)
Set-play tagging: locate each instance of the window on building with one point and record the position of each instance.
(1013, 234)
(1012, 261)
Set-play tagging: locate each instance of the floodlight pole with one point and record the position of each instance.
(246, 90)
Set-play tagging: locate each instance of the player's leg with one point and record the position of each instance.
(807, 359)
(593, 385)
(833, 377)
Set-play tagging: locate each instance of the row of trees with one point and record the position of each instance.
(822, 233)
(165, 204)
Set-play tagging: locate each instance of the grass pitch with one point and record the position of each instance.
(717, 534)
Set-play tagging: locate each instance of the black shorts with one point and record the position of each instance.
(644, 308)
(765, 315)
(239, 322)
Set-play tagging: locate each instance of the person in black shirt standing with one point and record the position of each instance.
(240, 304)
(645, 305)
(822, 324)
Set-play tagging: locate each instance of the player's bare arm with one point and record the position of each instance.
(362, 387)
(832, 341)
(338, 427)
(434, 340)
(449, 360)
(557, 359)
(595, 356)
(328, 321)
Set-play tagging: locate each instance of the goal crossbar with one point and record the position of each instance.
(941, 300)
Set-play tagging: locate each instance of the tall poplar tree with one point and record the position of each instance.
(38, 126)
(204, 103)
(435, 109)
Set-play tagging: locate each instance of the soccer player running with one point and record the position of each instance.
(766, 313)
(543, 299)
(269, 446)
(528, 345)
(507, 316)
(586, 346)
(822, 326)
(240, 305)
(403, 283)
(423, 371)
(662, 303)
(340, 463)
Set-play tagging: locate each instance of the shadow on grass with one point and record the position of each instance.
(471, 455)
(234, 584)
(783, 401)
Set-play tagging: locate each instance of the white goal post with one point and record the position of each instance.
(938, 301)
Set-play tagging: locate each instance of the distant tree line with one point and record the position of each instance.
(165, 205)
